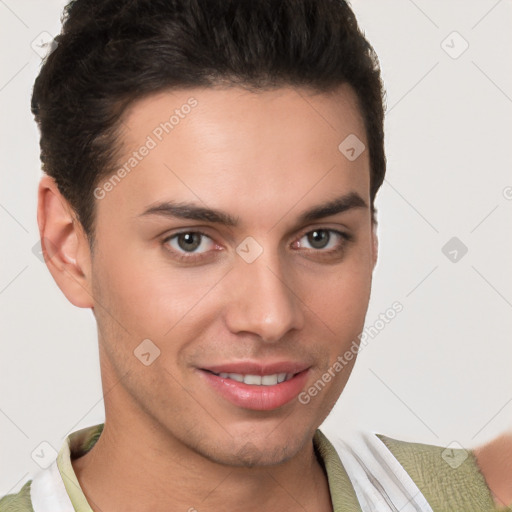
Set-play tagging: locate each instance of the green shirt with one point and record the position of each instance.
(446, 489)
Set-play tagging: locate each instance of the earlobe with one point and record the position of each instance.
(64, 244)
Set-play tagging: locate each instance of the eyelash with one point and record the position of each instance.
(191, 257)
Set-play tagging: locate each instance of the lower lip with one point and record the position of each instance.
(257, 398)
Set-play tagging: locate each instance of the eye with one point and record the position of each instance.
(325, 240)
(193, 246)
(189, 243)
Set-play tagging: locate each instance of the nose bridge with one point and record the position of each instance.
(262, 302)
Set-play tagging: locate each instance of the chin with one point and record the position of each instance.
(250, 456)
(257, 451)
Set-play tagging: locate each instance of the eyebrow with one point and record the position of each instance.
(191, 211)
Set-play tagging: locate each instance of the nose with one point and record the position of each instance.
(262, 300)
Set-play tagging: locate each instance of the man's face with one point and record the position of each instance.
(273, 293)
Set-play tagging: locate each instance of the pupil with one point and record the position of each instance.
(319, 238)
(191, 241)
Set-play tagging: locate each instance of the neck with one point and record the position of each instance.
(132, 467)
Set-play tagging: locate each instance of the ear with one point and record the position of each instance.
(64, 244)
(375, 244)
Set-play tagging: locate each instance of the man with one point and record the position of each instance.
(211, 170)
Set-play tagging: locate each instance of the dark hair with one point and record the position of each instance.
(113, 52)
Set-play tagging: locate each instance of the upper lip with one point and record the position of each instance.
(258, 367)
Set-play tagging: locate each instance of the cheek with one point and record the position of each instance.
(340, 296)
(340, 315)
(340, 307)
(149, 296)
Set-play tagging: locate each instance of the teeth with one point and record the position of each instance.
(253, 379)
(269, 380)
(258, 380)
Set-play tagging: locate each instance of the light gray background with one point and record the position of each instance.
(440, 371)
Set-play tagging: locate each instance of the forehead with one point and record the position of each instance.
(238, 112)
(231, 146)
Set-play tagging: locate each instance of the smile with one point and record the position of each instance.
(262, 391)
(257, 380)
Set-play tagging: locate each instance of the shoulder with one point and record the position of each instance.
(448, 477)
(18, 502)
(77, 444)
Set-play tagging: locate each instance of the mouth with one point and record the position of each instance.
(256, 387)
(256, 380)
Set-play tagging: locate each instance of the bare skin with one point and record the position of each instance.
(171, 441)
(495, 462)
